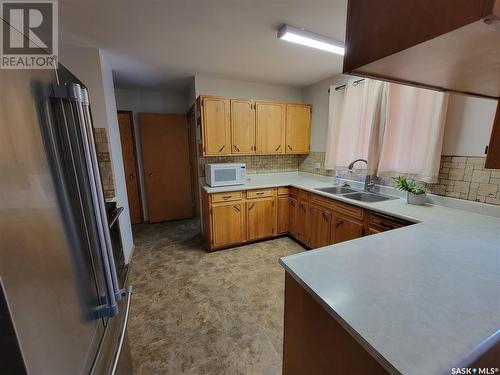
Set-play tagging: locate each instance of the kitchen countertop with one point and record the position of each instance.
(421, 298)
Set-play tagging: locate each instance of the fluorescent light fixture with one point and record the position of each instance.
(307, 38)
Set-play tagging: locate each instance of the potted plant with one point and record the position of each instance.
(415, 193)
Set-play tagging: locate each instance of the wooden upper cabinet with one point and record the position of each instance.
(270, 127)
(442, 44)
(228, 224)
(216, 126)
(261, 218)
(298, 128)
(493, 156)
(242, 127)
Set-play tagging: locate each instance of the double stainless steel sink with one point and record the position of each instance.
(362, 196)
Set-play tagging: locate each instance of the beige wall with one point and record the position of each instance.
(205, 85)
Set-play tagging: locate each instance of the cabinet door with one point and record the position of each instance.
(320, 219)
(298, 128)
(292, 219)
(270, 127)
(283, 214)
(261, 219)
(493, 155)
(302, 222)
(228, 225)
(242, 127)
(216, 126)
(344, 229)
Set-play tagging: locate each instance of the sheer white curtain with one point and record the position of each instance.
(355, 117)
(414, 130)
(398, 129)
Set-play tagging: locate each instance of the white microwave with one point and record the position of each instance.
(224, 174)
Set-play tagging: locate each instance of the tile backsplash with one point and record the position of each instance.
(104, 159)
(255, 164)
(460, 177)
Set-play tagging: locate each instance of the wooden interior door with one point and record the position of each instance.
(228, 224)
(193, 161)
(242, 127)
(344, 229)
(298, 128)
(216, 126)
(261, 218)
(165, 153)
(129, 156)
(270, 120)
(320, 227)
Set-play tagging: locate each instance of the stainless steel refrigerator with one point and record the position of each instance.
(62, 309)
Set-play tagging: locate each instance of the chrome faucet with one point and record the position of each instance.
(369, 181)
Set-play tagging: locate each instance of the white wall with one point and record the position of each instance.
(317, 95)
(205, 85)
(468, 125)
(148, 101)
(89, 65)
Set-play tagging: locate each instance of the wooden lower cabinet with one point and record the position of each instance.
(233, 218)
(320, 224)
(292, 220)
(302, 222)
(261, 219)
(283, 214)
(228, 224)
(345, 229)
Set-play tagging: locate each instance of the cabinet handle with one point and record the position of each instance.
(339, 223)
(236, 148)
(325, 217)
(236, 208)
(226, 196)
(249, 208)
(222, 148)
(290, 148)
(292, 203)
(260, 193)
(277, 148)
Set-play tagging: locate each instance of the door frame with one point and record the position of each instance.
(134, 142)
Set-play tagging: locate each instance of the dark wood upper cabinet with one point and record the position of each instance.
(441, 44)
(493, 156)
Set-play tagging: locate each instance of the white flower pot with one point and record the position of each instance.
(416, 199)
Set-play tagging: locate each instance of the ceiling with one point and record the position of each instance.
(158, 44)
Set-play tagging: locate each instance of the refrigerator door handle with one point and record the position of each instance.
(109, 305)
(88, 129)
(127, 292)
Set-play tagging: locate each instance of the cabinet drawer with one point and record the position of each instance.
(284, 190)
(348, 209)
(382, 222)
(226, 197)
(322, 201)
(252, 194)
